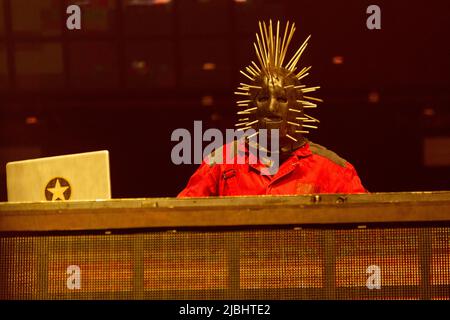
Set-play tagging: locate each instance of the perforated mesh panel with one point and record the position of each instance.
(288, 263)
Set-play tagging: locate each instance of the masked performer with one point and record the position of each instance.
(275, 98)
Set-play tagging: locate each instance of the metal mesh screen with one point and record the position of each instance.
(285, 263)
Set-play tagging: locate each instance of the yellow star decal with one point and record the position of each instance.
(58, 191)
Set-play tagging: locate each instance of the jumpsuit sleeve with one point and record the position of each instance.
(350, 181)
(203, 183)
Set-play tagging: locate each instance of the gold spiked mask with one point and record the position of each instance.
(275, 98)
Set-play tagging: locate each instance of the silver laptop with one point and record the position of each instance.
(82, 176)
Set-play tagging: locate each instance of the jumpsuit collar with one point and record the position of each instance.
(289, 164)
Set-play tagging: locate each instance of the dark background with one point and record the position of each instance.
(134, 73)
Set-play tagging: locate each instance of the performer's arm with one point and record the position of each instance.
(349, 181)
(203, 183)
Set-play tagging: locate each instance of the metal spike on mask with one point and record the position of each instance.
(313, 99)
(309, 126)
(310, 89)
(291, 137)
(250, 86)
(242, 93)
(307, 104)
(252, 79)
(293, 123)
(252, 135)
(311, 118)
(250, 110)
(304, 70)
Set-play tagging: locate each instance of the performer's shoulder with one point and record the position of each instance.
(320, 150)
(219, 155)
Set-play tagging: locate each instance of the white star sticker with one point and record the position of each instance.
(58, 191)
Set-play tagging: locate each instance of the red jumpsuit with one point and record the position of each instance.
(310, 169)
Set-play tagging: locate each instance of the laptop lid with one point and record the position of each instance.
(82, 176)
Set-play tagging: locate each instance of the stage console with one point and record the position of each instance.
(363, 246)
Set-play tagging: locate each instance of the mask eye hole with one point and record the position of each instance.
(263, 99)
(282, 99)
